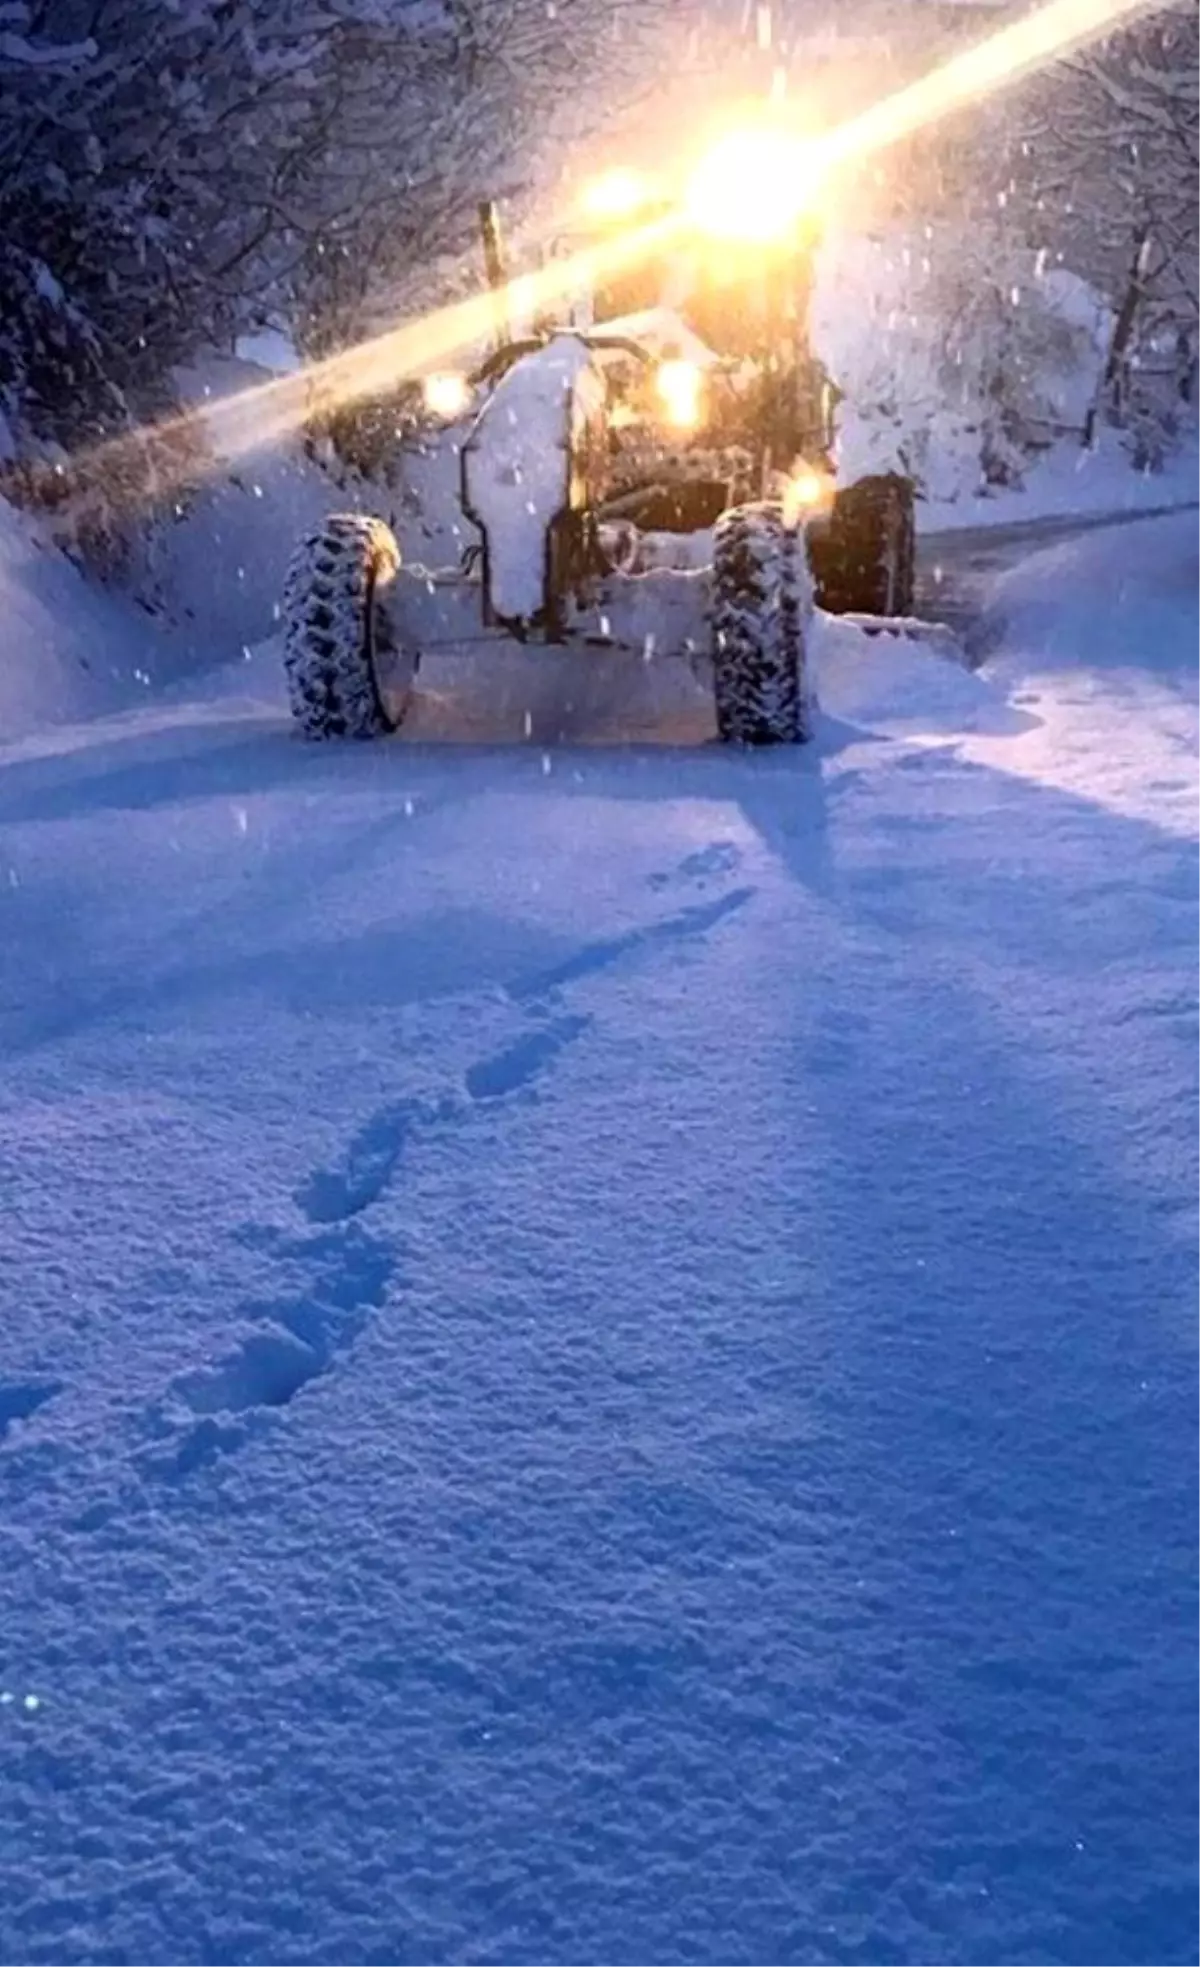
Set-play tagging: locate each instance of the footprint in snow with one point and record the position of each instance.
(520, 1064)
(22, 1398)
(686, 925)
(296, 1339)
(719, 857)
(371, 1160)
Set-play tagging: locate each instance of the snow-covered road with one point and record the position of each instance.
(957, 566)
(598, 1344)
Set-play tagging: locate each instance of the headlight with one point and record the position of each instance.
(752, 185)
(617, 194)
(806, 494)
(446, 396)
(679, 385)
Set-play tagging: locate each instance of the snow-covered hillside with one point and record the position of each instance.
(597, 1358)
(67, 648)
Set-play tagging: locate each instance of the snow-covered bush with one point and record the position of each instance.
(142, 157)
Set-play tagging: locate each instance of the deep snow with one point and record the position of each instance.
(598, 1347)
(67, 648)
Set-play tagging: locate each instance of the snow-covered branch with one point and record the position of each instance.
(178, 165)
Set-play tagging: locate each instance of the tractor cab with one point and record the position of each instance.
(710, 274)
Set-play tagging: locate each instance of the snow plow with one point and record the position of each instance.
(547, 569)
(626, 486)
(729, 304)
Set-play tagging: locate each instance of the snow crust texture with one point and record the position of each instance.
(597, 1358)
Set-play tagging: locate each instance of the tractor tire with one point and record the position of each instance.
(864, 555)
(760, 613)
(346, 677)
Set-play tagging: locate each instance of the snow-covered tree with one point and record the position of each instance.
(1115, 140)
(140, 176)
(170, 168)
(175, 171)
(960, 354)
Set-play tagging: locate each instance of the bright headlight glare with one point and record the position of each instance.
(616, 194)
(752, 185)
(807, 492)
(446, 395)
(679, 386)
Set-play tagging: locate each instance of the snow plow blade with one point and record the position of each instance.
(605, 693)
(937, 637)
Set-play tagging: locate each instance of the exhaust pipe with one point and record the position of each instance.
(493, 259)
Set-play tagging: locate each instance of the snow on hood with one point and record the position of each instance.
(516, 464)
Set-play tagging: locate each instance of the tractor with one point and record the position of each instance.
(611, 453)
(730, 296)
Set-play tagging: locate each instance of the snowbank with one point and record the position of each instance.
(72, 649)
(1095, 642)
(68, 648)
(223, 564)
(948, 357)
(1070, 482)
(1085, 599)
(893, 686)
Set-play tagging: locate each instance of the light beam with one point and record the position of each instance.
(1007, 55)
(246, 422)
(256, 417)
